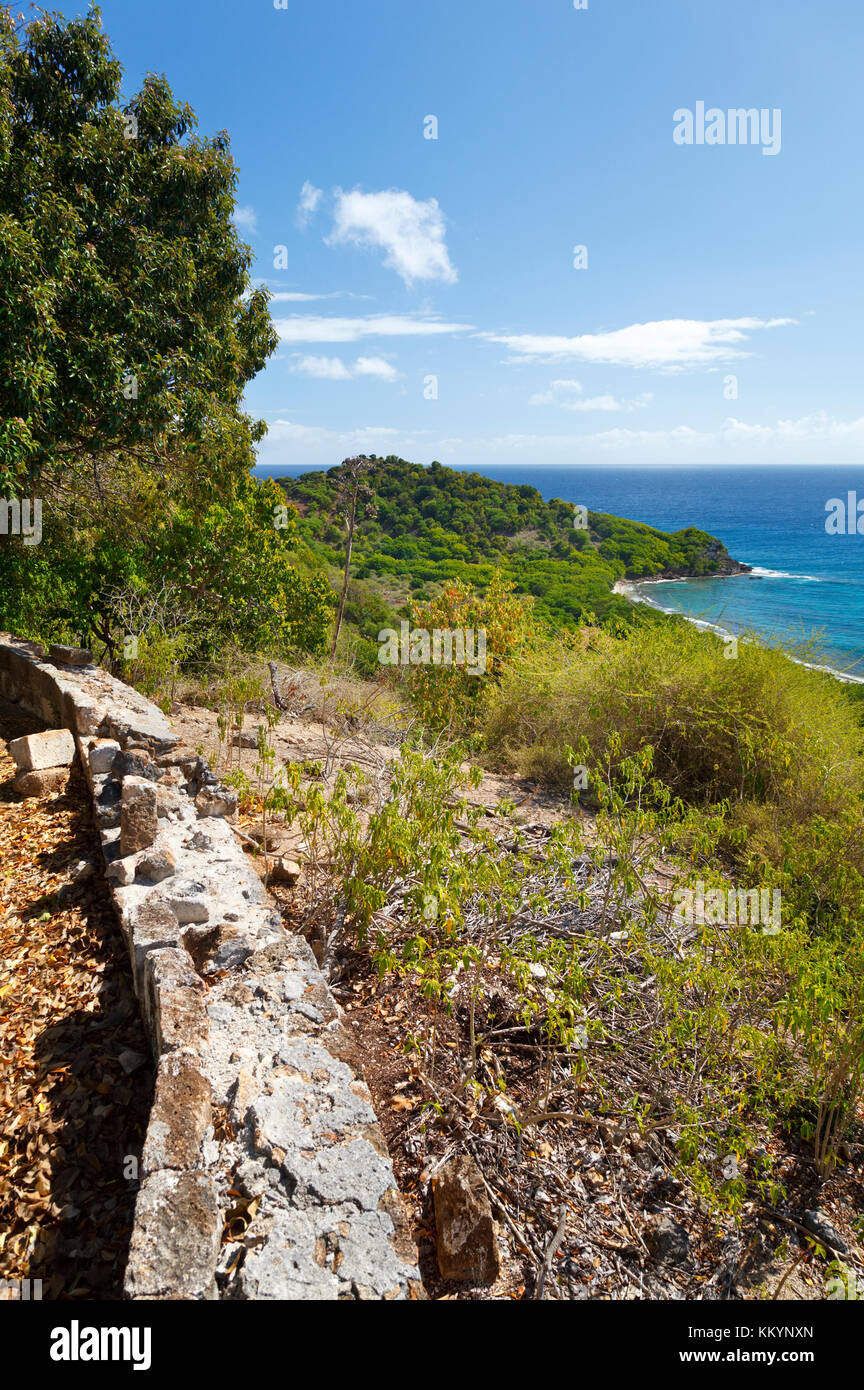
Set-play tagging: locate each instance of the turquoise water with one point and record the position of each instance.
(805, 581)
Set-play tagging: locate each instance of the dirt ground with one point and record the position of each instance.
(75, 1072)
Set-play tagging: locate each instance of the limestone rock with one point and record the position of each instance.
(223, 947)
(467, 1246)
(176, 1001)
(102, 754)
(136, 763)
(121, 872)
(216, 801)
(150, 927)
(47, 779)
(290, 1267)
(175, 1239)
(245, 1092)
(170, 802)
(156, 865)
(139, 822)
(667, 1240)
(69, 656)
(33, 752)
(107, 817)
(179, 1115)
(177, 757)
(188, 901)
(285, 871)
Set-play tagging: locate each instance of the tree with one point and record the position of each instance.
(128, 332)
(352, 492)
(127, 324)
(217, 574)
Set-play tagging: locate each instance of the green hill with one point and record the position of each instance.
(433, 524)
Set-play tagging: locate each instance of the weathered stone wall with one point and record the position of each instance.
(260, 1124)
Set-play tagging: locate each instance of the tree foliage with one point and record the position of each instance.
(125, 318)
(128, 332)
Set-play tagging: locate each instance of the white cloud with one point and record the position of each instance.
(609, 403)
(667, 343)
(818, 428)
(298, 297)
(324, 368)
(375, 366)
(310, 201)
(411, 233)
(246, 219)
(334, 369)
(567, 395)
(734, 442)
(283, 434)
(784, 442)
(303, 328)
(556, 390)
(653, 439)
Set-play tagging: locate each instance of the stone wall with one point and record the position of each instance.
(261, 1127)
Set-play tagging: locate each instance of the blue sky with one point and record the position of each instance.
(453, 259)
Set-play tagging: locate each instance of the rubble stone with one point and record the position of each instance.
(70, 656)
(175, 1238)
(467, 1244)
(216, 801)
(33, 752)
(101, 755)
(156, 865)
(47, 779)
(139, 822)
(261, 1037)
(179, 1116)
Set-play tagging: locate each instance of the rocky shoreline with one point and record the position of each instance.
(715, 553)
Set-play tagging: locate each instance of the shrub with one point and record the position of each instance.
(450, 695)
(758, 728)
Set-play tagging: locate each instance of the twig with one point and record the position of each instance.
(551, 1251)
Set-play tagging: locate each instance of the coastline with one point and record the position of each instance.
(627, 589)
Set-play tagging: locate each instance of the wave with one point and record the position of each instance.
(759, 572)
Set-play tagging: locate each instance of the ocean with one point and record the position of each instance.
(806, 585)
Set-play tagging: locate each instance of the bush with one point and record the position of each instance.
(759, 728)
(455, 696)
